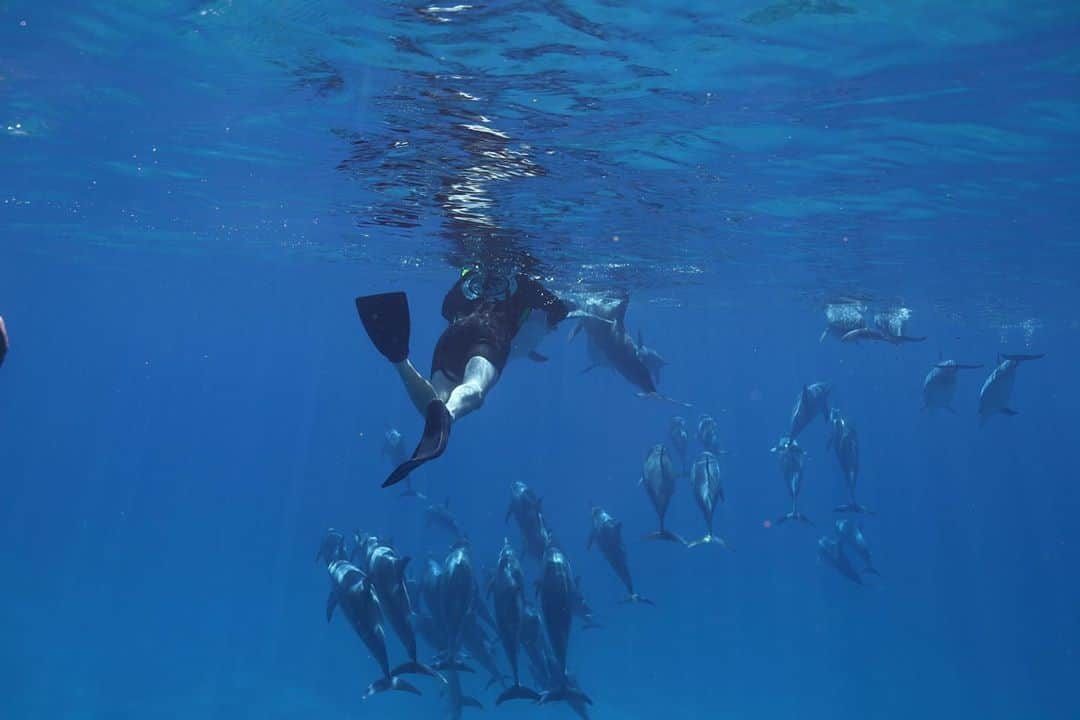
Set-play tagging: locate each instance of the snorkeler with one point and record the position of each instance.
(485, 309)
(3, 340)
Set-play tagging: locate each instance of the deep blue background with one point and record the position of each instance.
(190, 401)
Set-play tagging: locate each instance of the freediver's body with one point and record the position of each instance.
(485, 310)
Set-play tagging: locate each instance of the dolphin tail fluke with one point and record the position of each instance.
(452, 664)
(517, 692)
(665, 535)
(391, 683)
(854, 507)
(665, 398)
(796, 516)
(413, 667)
(1023, 358)
(710, 539)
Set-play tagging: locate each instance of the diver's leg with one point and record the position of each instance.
(480, 376)
(420, 390)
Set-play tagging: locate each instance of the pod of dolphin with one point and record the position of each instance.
(448, 605)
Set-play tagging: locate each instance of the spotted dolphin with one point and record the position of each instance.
(996, 393)
(658, 479)
(609, 344)
(606, 534)
(792, 459)
(708, 494)
(939, 387)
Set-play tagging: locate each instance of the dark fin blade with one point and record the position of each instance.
(1022, 358)
(433, 443)
(472, 702)
(1009, 411)
(665, 535)
(517, 692)
(386, 319)
(537, 357)
(910, 338)
(871, 571)
(331, 605)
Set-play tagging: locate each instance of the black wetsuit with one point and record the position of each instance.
(486, 328)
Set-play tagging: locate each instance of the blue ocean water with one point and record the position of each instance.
(192, 194)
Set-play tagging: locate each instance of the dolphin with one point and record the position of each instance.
(708, 493)
(556, 589)
(478, 646)
(812, 401)
(891, 328)
(360, 606)
(851, 535)
(441, 517)
(610, 344)
(387, 577)
(680, 441)
(709, 435)
(526, 509)
(939, 387)
(581, 609)
(394, 450)
(833, 554)
(845, 441)
(457, 592)
(508, 590)
(658, 479)
(842, 318)
(996, 392)
(606, 533)
(792, 458)
(331, 548)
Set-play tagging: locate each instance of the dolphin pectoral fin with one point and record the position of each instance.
(331, 604)
(517, 692)
(665, 535)
(472, 702)
(824, 334)
(590, 367)
(537, 357)
(1009, 411)
(635, 599)
(910, 338)
(575, 331)
(871, 571)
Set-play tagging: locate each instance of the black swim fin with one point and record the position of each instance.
(432, 443)
(386, 319)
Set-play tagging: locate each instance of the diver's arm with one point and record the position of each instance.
(455, 303)
(538, 297)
